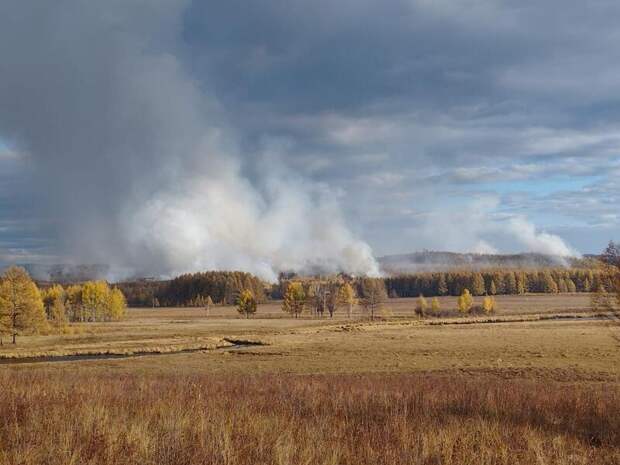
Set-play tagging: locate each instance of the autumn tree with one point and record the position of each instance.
(477, 284)
(510, 284)
(435, 305)
(421, 306)
(73, 303)
(294, 299)
(246, 304)
(550, 286)
(373, 295)
(51, 295)
(317, 297)
(492, 288)
(332, 298)
(54, 300)
(21, 305)
(347, 297)
(94, 299)
(116, 305)
(489, 305)
(465, 301)
(570, 285)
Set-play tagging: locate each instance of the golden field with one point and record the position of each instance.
(539, 382)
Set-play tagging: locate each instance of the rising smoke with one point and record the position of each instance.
(135, 164)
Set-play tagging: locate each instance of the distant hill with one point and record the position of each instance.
(442, 261)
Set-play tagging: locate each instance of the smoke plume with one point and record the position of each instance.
(134, 161)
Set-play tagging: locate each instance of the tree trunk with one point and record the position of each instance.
(14, 335)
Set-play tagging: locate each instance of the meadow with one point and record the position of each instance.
(539, 382)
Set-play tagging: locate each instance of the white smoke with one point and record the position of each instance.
(135, 164)
(223, 222)
(535, 241)
(478, 228)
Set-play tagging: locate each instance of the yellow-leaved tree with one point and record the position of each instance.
(294, 299)
(21, 305)
(246, 303)
(54, 299)
(435, 305)
(73, 303)
(95, 299)
(116, 305)
(347, 297)
(421, 306)
(50, 295)
(465, 301)
(489, 305)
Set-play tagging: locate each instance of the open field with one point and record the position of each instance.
(399, 390)
(168, 330)
(508, 305)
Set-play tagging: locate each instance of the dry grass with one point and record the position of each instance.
(405, 307)
(528, 390)
(65, 417)
(169, 330)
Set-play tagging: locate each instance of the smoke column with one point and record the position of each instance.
(133, 161)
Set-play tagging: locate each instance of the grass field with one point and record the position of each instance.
(522, 387)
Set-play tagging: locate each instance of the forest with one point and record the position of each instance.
(196, 290)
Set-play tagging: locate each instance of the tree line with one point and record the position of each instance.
(321, 297)
(194, 289)
(225, 287)
(25, 309)
(496, 282)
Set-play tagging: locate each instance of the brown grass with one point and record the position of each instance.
(529, 390)
(66, 417)
(402, 307)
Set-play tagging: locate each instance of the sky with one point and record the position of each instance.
(310, 129)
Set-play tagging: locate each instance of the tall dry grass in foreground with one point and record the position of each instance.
(66, 417)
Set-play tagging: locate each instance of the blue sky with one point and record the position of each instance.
(415, 117)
